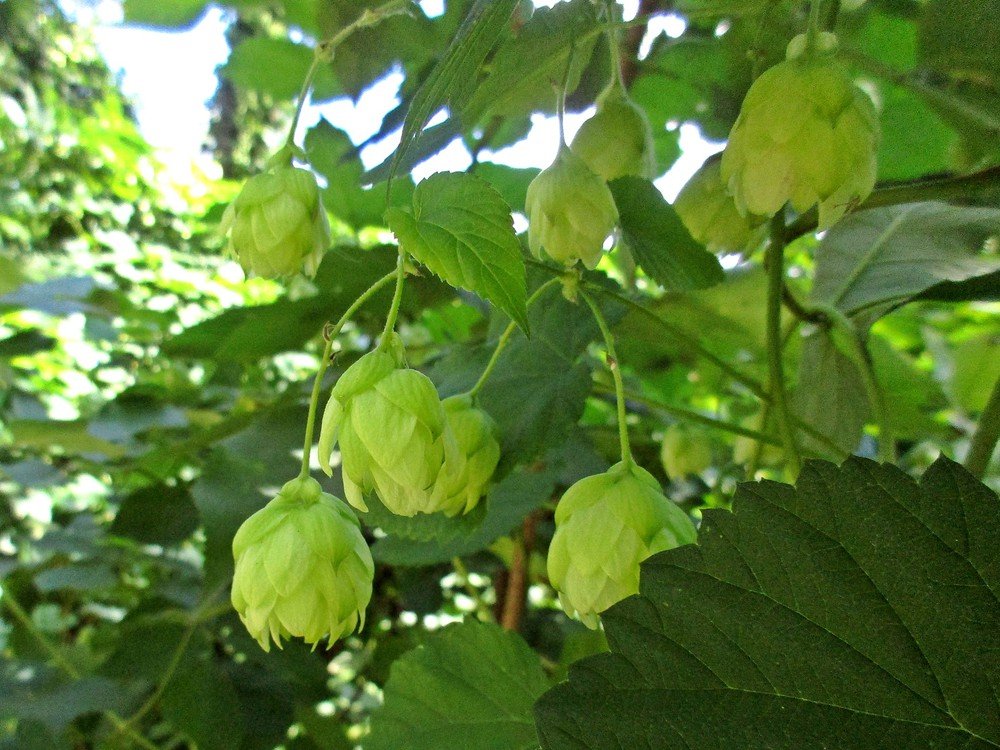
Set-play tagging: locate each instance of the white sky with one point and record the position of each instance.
(170, 75)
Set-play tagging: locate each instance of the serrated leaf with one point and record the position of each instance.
(462, 230)
(456, 71)
(659, 240)
(855, 610)
(467, 686)
(874, 261)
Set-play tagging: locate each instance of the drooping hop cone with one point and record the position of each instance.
(618, 140)
(710, 214)
(570, 212)
(277, 225)
(606, 525)
(392, 432)
(805, 135)
(303, 568)
(460, 487)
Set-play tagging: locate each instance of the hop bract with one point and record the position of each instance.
(606, 525)
(685, 451)
(617, 141)
(805, 135)
(392, 432)
(303, 568)
(710, 214)
(459, 487)
(277, 225)
(570, 212)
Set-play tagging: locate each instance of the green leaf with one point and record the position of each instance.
(72, 437)
(467, 686)
(172, 15)
(31, 692)
(332, 154)
(159, 514)
(246, 334)
(658, 239)
(959, 37)
(462, 230)
(874, 261)
(856, 610)
(276, 67)
(451, 80)
(524, 67)
(201, 702)
(438, 539)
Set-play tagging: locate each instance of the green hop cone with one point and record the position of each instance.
(570, 212)
(618, 140)
(805, 135)
(460, 486)
(303, 568)
(685, 451)
(392, 432)
(606, 525)
(710, 214)
(277, 225)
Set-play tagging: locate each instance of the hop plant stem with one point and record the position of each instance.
(330, 334)
(397, 296)
(612, 357)
(505, 339)
(776, 386)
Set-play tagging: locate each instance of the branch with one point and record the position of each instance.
(984, 442)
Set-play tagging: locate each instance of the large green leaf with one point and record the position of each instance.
(159, 514)
(659, 240)
(959, 37)
(876, 260)
(856, 610)
(452, 79)
(276, 67)
(462, 230)
(467, 686)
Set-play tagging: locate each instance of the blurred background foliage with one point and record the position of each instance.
(152, 398)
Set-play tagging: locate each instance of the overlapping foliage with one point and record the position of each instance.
(153, 399)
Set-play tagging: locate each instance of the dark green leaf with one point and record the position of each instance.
(160, 514)
(658, 239)
(856, 610)
(467, 686)
(462, 230)
(876, 260)
(440, 539)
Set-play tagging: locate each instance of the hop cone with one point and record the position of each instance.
(685, 451)
(617, 141)
(277, 225)
(570, 212)
(606, 525)
(392, 433)
(805, 135)
(303, 568)
(710, 214)
(459, 487)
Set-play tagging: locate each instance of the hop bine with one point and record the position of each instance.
(606, 525)
(303, 568)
